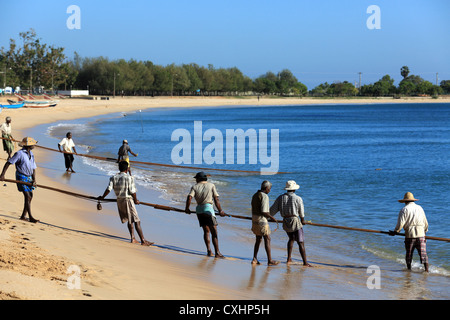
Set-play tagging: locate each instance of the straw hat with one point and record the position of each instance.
(291, 185)
(408, 197)
(27, 142)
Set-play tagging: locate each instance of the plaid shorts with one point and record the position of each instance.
(416, 243)
(24, 178)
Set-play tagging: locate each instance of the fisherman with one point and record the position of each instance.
(260, 225)
(8, 144)
(123, 154)
(125, 190)
(412, 219)
(25, 172)
(291, 209)
(67, 145)
(206, 195)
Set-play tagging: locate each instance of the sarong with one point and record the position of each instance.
(24, 178)
(261, 228)
(127, 210)
(8, 145)
(420, 245)
(291, 224)
(68, 160)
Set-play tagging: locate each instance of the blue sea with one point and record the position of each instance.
(352, 162)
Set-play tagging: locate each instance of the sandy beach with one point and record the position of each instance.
(35, 258)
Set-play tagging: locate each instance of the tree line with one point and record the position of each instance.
(35, 64)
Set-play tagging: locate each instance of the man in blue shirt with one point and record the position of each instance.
(25, 172)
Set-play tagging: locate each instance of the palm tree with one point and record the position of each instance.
(404, 71)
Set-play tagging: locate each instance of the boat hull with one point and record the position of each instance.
(13, 105)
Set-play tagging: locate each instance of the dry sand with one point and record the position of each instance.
(35, 258)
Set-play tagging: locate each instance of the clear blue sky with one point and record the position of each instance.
(324, 40)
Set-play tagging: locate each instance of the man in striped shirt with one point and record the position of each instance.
(291, 209)
(125, 190)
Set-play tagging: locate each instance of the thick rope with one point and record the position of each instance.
(168, 208)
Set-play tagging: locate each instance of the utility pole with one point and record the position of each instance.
(359, 83)
(437, 79)
(114, 91)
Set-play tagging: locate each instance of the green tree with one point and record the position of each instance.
(195, 82)
(286, 82)
(404, 71)
(384, 86)
(321, 90)
(406, 87)
(35, 63)
(424, 87)
(445, 86)
(342, 89)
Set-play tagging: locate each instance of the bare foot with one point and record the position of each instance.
(32, 220)
(147, 243)
(219, 255)
(255, 261)
(134, 241)
(273, 263)
(307, 265)
(209, 253)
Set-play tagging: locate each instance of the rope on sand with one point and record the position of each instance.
(168, 208)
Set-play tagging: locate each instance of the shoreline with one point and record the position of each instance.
(68, 238)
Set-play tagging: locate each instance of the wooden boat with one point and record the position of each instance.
(13, 105)
(39, 105)
(33, 104)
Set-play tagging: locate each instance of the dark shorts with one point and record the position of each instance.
(416, 243)
(206, 220)
(298, 235)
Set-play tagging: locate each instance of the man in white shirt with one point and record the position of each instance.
(67, 144)
(8, 144)
(413, 220)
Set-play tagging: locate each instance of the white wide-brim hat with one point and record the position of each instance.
(291, 185)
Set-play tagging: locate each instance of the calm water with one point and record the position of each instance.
(352, 162)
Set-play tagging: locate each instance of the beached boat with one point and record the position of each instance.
(39, 105)
(13, 105)
(34, 104)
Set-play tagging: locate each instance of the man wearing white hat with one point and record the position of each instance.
(412, 219)
(25, 172)
(291, 209)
